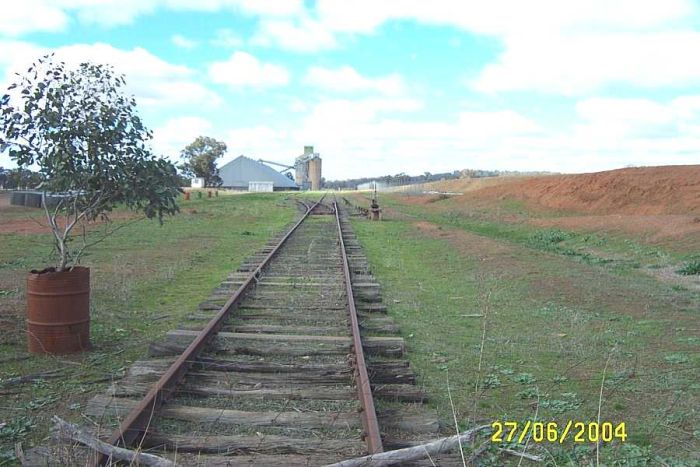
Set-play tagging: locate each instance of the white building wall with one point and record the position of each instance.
(260, 186)
(198, 182)
(372, 185)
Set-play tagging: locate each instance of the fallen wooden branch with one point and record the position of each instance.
(18, 380)
(477, 452)
(14, 359)
(74, 433)
(512, 452)
(19, 453)
(413, 453)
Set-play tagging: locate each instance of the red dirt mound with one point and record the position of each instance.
(644, 190)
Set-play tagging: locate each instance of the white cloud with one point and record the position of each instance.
(21, 17)
(18, 18)
(338, 111)
(183, 42)
(172, 137)
(374, 123)
(301, 35)
(157, 84)
(154, 81)
(226, 38)
(347, 79)
(276, 8)
(260, 142)
(555, 46)
(626, 121)
(631, 111)
(376, 136)
(371, 137)
(137, 61)
(504, 17)
(361, 16)
(250, 7)
(16, 56)
(177, 93)
(576, 64)
(117, 12)
(107, 12)
(243, 69)
(612, 133)
(297, 105)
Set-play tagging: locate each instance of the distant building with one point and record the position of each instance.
(307, 170)
(198, 182)
(242, 171)
(372, 185)
(260, 186)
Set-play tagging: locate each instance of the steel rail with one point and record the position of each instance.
(370, 424)
(137, 421)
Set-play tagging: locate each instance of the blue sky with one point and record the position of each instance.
(393, 86)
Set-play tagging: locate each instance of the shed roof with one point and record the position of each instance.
(242, 170)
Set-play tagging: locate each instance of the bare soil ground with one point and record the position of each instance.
(643, 190)
(27, 221)
(22, 226)
(657, 205)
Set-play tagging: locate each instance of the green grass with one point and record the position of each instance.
(616, 252)
(691, 268)
(550, 306)
(544, 346)
(145, 279)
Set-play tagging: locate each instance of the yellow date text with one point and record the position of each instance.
(554, 432)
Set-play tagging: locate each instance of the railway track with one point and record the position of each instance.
(290, 361)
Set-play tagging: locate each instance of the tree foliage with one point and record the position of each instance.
(84, 134)
(19, 178)
(200, 159)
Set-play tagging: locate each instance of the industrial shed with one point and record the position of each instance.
(240, 172)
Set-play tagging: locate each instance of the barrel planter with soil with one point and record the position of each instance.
(58, 310)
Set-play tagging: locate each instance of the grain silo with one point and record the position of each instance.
(315, 172)
(307, 169)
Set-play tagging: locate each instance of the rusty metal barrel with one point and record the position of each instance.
(58, 311)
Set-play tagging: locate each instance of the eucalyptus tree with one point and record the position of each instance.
(83, 132)
(200, 158)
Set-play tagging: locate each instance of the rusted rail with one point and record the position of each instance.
(359, 209)
(364, 389)
(137, 421)
(279, 365)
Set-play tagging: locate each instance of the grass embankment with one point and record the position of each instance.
(525, 328)
(145, 279)
(513, 221)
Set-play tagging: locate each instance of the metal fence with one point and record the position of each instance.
(35, 199)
